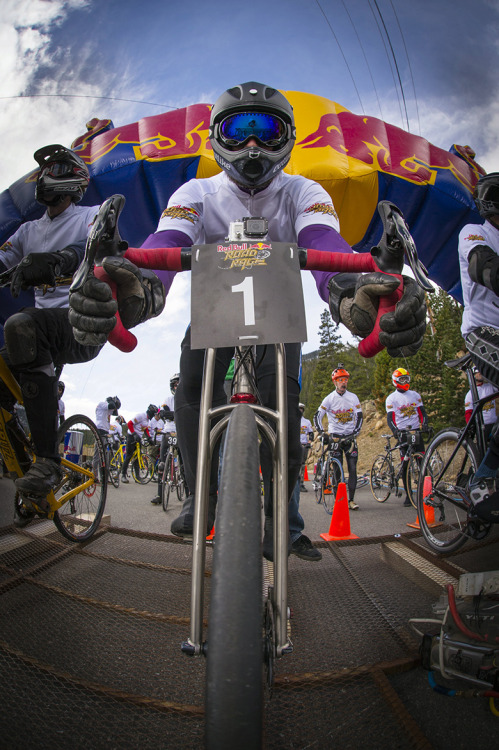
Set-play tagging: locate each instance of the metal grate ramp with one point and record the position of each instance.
(90, 646)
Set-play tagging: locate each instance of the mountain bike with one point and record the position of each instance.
(386, 472)
(254, 279)
(77, 502)
(172, 477)
(450, 462)
(112, 461)
(328, 474)
(142, 464)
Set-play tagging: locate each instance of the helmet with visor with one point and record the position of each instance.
(486, 195)
(401, 379)
(62, 173)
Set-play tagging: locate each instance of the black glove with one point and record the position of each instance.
(42, 268)
(353, 301)
(167, 414)
(92, 309)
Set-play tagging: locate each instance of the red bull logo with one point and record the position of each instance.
(388, 149)
(243, 255)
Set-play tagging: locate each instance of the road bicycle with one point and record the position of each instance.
(141, 464)
(114, 460)
(172, 479)
(450, 462)
(77, 502)
(247, 632)
(387, 472)
(328, 474)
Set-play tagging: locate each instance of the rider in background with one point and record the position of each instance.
(405, 411)
(61, 407)
(39, 340)
(344, 415)
(138, 427)
(306, 438)
(479, 264)
(167, 414)
(252, 133)
(489, 410)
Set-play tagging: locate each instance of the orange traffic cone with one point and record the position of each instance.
(340, 520)
(211, 534)
(429, 512)
(305, 474)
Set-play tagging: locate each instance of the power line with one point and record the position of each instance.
(342, 54)
(88, 96)
(409, 64)
(395, 62)
(387, 57)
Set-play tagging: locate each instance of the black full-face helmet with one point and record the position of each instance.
(151, 411)
(486, 195)
(174, 381)
(114, 404)
(252, 111)
(62, 173)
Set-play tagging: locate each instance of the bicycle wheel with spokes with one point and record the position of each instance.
(83, 462)
(234, 684)
(411, 478)
(142, 469)
(450, 468)
(166, 484)
(381, 479)
(114, 470)
(333, 475)
(318, 481)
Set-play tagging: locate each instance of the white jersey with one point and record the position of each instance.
(342, 411)
(115, 432)
(103, 416)
(169, 424)
(140, 423)
(481, 305)
(404, 405)
(305, 428)
(61, 410)
(156, 427)
(48, 235)
(489, 410)
(203, 208)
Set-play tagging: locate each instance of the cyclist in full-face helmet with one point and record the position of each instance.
(479, 263)
(38, 338)
(252, 134)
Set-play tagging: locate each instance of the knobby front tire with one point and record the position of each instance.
(449, 509)
(411, 479)
(333, 475)
(79, 442)
(381, 479)
(234, 687)
(318, 481)
(142, 471)
(166, 484)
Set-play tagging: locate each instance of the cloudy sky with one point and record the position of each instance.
(428, 66)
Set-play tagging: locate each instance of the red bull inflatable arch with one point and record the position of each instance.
(359, 160)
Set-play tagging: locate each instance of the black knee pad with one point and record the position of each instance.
(20, 339)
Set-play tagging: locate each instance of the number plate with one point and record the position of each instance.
(246, 293)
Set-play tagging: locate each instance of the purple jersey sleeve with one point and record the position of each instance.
(167, 238)
(321, 237)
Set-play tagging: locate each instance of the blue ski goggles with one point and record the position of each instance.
(268, 130)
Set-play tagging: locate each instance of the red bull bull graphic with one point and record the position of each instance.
(359, 161)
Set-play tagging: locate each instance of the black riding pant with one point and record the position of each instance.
(351, 456)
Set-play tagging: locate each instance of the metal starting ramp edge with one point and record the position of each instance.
(90, 647)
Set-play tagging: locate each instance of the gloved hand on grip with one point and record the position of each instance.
(92, 309)
(353, 301)
(42, 268)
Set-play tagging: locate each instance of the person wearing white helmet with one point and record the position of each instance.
(252, 134)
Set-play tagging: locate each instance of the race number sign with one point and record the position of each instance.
(246, 293)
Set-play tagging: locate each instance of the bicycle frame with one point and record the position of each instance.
(278, 440)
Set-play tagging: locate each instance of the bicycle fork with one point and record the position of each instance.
(278, 440)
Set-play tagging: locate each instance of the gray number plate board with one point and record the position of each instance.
(246, 293)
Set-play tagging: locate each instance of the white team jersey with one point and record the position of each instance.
(203, 208)
(305, 428)
(61, 408)
(103, 416)
(404, 406)
(169, 402)
(341, 412)
(140, 423)
(47, 235)
(156, 429)
(481, 305)
(489, 410)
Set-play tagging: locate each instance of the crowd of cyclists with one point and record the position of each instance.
(252, 133)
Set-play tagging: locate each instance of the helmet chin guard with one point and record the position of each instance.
(62, 173)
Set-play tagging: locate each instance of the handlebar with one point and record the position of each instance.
(395, 246)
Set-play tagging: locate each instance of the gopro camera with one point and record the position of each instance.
(249, 228)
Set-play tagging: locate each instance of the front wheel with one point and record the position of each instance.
(411, 478)
(381, 479)
(234, 686)
(333, 475)
(142, 469)
(166, 483)
(318, 480)
(84, 464)
(444, 517)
